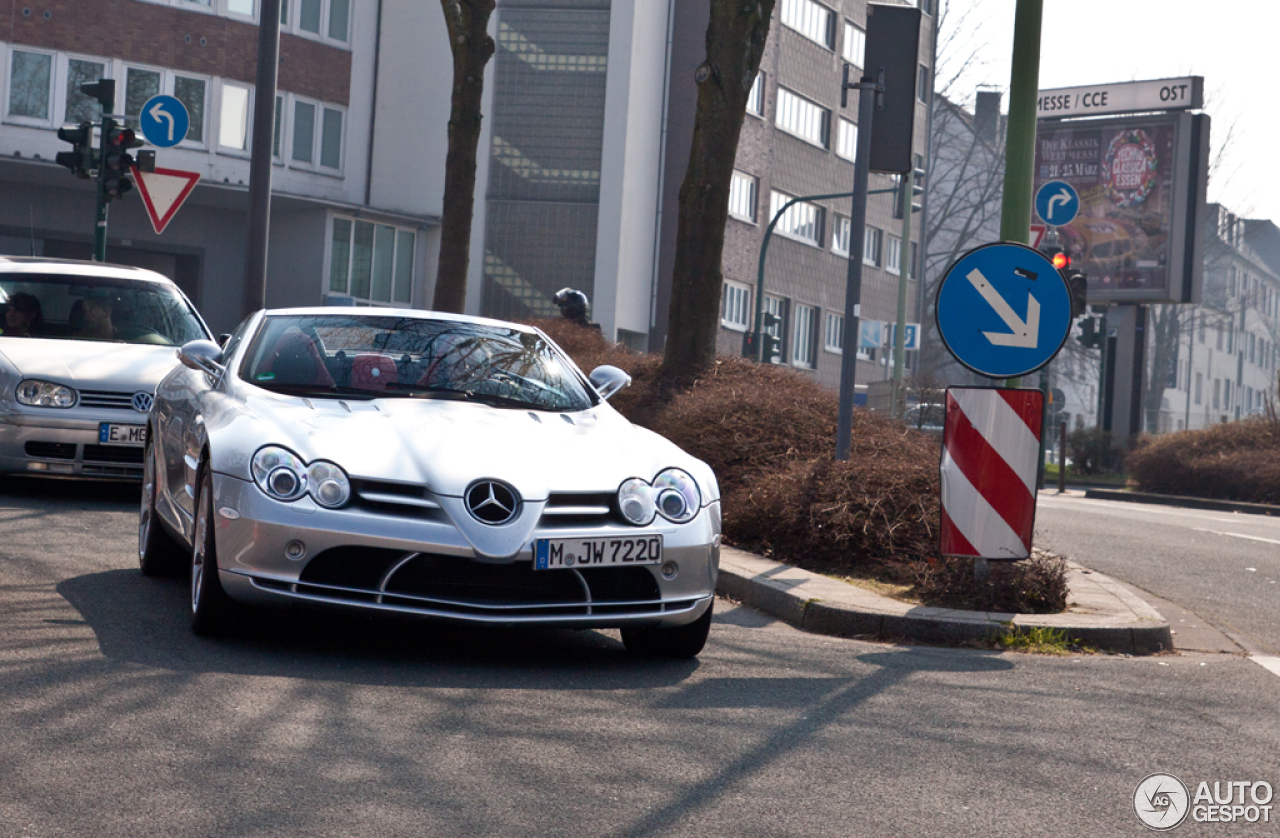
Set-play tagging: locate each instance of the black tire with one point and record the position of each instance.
(678, 642)
(158, 553)
(211, 608)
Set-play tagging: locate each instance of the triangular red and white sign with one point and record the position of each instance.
(163, 191)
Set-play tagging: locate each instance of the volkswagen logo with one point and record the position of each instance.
(142, 402)
(491, 502)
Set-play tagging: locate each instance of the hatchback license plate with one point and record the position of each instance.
(555, 553)
(111, 434)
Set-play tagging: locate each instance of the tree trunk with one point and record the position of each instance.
(468, 23)
(736, 38)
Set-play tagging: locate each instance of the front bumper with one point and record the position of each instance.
(272, 553)
(53, 443)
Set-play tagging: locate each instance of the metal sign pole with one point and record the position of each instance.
(867, 105)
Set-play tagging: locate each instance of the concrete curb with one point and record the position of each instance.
(1182, 500)
(1101, 613)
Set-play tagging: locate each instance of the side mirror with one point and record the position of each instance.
(608, 380)
(203, 356)
(222, 339)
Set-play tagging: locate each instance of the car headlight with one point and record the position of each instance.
(328, 484)
(279, 473)
(676, 495)
(284, 476)
(635, 500)
(38, 393)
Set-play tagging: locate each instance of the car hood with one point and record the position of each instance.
(447, 445)
(89, 364)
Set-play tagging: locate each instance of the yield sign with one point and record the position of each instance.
(163, 191)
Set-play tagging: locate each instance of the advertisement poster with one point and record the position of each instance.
(1124, 173)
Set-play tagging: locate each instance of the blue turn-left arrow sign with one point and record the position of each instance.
(164, 121)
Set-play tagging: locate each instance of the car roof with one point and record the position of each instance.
(77, 267)
(379, 311)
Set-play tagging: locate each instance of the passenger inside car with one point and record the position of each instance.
(22, 317)
(91, 319)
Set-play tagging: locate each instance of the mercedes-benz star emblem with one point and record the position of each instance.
(142, 402)
(491, 502)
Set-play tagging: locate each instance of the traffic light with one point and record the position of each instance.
(117, 141)
(1078, 285)
(917, 190)
(81, 159)
(1090, 334)
(771, 343)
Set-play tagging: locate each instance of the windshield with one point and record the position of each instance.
(372, 356)
(69, 307)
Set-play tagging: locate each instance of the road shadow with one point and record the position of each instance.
(143, 621)
(41, 492)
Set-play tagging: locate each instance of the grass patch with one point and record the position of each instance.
(1038, 640)
(1119, 480)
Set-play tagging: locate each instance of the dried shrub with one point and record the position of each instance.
(1232, 461)
(769, 433)
(1035, 586)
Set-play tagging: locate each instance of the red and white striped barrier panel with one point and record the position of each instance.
(990, 448)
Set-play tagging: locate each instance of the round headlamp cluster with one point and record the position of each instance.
(282, 475)
(36, 393)
(673, 495)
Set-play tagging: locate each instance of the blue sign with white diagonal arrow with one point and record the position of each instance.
(1057, 203)
(164, 121)
(1003, 310)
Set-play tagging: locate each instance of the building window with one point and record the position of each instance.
(855, 44)
(304, 132)
(331, 139)
(914, 264)
(1217, 393)
(803, 118)
(316, 134)
(242, 7)
(802, 221)
(326, 19)
(82, 108)
(806, 330)
(755, 99)
(833, 334)
(923, 84)
(813, 20)
(233, 117)
(777, 306)
(735, 306)
(742, 197)
(30, 85)
(871, 246)
(373, 263)
(893, 256)
(846, 139)
(191, 92)
(841, 231)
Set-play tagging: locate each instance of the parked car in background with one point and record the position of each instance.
(929, 418)
(82, 347)
(411, 462)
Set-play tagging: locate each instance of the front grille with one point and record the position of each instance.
(106, 398)
(393, 498)
(131, 472)
(456, 586)
(51, 450)
(113, 453)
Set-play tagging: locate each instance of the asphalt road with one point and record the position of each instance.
(1222, 566)
(116, 721)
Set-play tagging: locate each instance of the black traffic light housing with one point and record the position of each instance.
(82, 159)
(1090, 333)
(1078, 285)
(772, 344)
(117, 142)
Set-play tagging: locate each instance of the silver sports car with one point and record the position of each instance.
(82, 347)
(425, 464)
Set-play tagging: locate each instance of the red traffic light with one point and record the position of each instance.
(1061, 260)
(124, 138)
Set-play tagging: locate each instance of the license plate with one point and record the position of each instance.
(555, 553)
(110, 434)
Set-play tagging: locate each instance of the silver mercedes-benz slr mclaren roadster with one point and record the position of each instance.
(424, 464)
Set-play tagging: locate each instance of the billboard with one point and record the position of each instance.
(1141, 181)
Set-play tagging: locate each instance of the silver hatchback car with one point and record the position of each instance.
(82, 347)
(417, 463)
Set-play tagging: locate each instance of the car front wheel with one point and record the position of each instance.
(158, 553)
(677, 642)
(211, 608)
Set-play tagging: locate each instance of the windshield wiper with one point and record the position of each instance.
(316, 390)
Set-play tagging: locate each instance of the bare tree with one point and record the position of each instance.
(736, 37)
(468, 23)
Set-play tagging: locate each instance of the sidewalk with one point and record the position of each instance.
(1101, 612)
